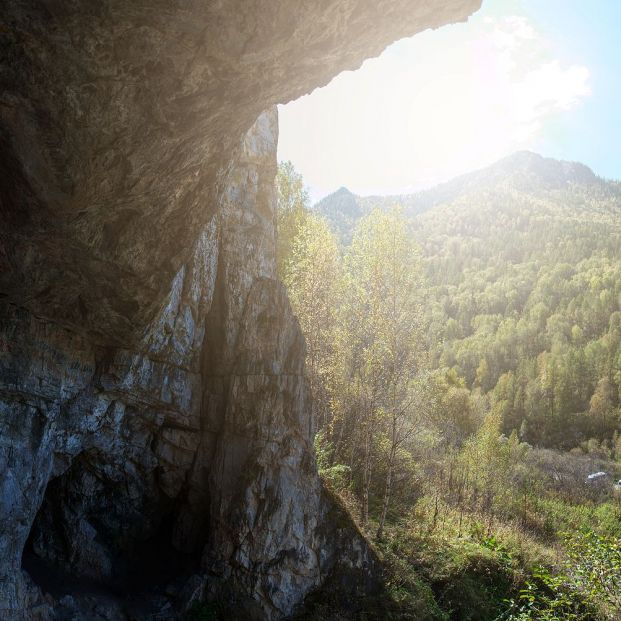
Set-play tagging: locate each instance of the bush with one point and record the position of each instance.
(585, 588)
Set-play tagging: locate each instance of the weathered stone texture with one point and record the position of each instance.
(153, 420)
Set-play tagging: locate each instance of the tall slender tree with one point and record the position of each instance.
(313, 277)
(384, 285)
(293, 203)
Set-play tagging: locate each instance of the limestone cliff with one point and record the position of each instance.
(153, 427)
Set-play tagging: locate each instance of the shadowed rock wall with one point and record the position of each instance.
(152, 398)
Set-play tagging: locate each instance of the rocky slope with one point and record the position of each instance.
(155, 445)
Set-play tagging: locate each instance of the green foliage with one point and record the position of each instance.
(587, 586)
(313, 276)
(594, 568)
(524, 305)
(292, 209)
(465, 371)
(361, 316)
(524, 290)
(547, 597)
(337, 476)
(470, 576)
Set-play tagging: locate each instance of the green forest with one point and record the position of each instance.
(464, 363)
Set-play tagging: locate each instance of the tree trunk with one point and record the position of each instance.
(389, 476)
(366, 479)
(387, 494)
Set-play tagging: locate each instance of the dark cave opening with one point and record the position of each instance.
(154, 563)
(80, 543)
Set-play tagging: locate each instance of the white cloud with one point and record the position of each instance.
(528, 84)
(431, 107)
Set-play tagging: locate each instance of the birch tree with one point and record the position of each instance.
(314, 281)
(293, 202)
(384, 288)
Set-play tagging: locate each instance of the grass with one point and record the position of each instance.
(440, 575)
(441, 564)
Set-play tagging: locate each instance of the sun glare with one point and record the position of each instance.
(431, 107)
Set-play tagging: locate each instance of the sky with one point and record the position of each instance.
(542, 75)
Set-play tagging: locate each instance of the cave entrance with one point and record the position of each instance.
(92, 538)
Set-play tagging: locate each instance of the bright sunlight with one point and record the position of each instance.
(434, 106)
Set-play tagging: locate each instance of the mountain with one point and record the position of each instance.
(342, 209)
(522, 291)
(523, 172)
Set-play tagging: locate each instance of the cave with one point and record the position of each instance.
(147, 349)
(92, 526)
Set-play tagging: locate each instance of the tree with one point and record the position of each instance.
(384, 283)
(489, 458)
(313, 276)
(292, 209)
(452, 410)
(602, 413)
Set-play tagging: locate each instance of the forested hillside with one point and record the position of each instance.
(464, 356)
(523, 276)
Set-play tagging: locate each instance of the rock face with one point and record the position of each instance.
(153, 427)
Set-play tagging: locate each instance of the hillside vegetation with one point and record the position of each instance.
(464, 356)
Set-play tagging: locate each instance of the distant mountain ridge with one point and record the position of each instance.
(524, 171)
(342, 209)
